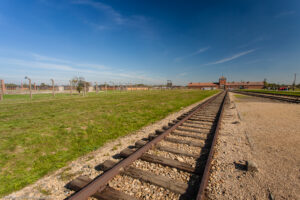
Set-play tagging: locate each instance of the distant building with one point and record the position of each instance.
(60, 88)
(203, 86)
(223, 84)
(136, 88)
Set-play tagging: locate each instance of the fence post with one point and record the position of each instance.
(96, 87)
(30, 89)
(53, 93)
(84, 89)
(2, 90)
(71, 87)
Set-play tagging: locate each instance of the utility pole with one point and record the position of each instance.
(53, 93)
(71, 87)
(105, 88)
(29, 86)
(294, 83)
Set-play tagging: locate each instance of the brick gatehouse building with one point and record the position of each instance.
(223, 84)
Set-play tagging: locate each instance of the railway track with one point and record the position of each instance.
(279, 97)
(172, 163)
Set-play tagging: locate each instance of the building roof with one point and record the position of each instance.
(244, 83)
(202, 85)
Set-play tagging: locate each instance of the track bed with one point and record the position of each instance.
(171, 163)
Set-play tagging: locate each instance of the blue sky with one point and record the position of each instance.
(149, 41)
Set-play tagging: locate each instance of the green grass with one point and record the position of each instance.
(17, 98)
(240, 96)
(295, 93)
(42, 135)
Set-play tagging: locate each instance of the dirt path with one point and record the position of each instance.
(264, 132)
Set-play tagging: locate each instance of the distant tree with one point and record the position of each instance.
(44, 86)
(25, 85)
(10, 85)
(265, 83)
(80, 83)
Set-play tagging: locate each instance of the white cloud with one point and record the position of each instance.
(182, 74)
(39, 57)
(112, 14)
(108, 10)
(178, 59)
(46, 58)
(254, 41)
(235, 56)
(47, 66)
(285, 13)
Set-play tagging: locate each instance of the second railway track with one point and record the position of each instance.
(279, 97)
(172, 163)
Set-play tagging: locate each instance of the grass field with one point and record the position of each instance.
(40, 136)
(295, 93)
(240, 96)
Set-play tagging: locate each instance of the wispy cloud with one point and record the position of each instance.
(254, 41)
(285, 13)
(182, 74)
(55, 67)
(108, 10)
(39, 57)
(116, 17)
(235, 56)
(37, 64)
(178, 59)
(46, 58)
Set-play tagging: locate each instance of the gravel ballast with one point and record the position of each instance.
(52, 186)
(257, 154)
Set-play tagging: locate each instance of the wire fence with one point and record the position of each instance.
(54, 87)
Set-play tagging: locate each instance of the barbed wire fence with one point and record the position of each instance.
(32, 86)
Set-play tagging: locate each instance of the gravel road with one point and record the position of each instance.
(266, 133)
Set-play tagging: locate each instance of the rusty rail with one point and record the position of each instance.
(99, 183)
(280, 97)
(205, 177)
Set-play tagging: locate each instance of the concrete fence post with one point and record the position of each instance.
(30, 89)
(26, 77)
(85, 88)
(53, 93)
(2, 90)
(97, 89)
(71, 87)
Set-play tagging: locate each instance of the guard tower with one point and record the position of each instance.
(222, 82)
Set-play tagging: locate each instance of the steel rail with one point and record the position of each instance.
(206, 173)
(274, 94)
(100, 182)
(291, 99)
